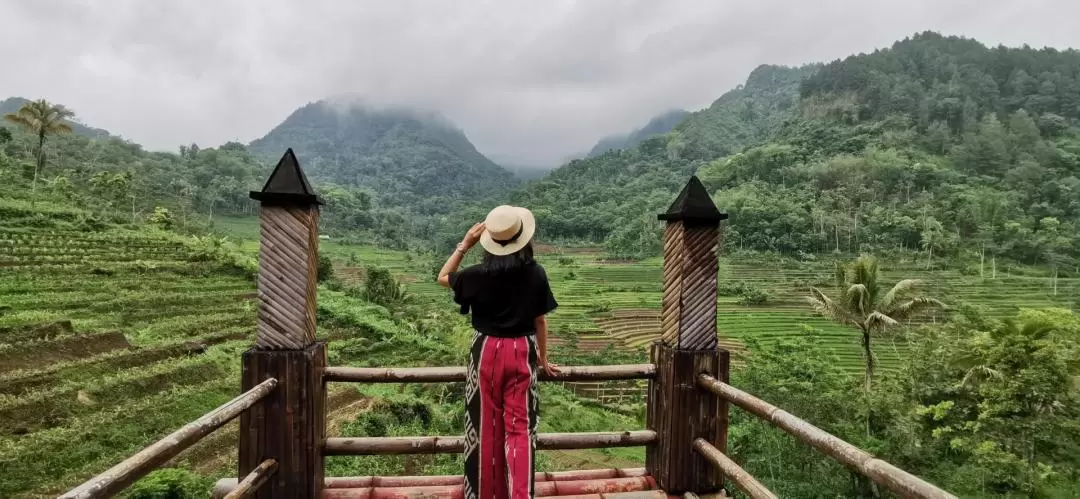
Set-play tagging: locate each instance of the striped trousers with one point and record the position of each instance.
(501, 406)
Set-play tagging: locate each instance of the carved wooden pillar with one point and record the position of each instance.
(289, 425)
(678, 411)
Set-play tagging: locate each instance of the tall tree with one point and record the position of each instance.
(865, 304)
(42, 119)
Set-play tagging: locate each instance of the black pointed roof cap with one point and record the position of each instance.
(287, 184)
(694, 205)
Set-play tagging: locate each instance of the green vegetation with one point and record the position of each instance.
(41, 120)
(864, 303)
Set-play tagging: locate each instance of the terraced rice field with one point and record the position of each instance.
(615, 305)
(622, 301)
(107, 340)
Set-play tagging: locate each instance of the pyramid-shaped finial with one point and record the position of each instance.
(693, 205)
(287, 184)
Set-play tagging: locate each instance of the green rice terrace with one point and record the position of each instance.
(617, 305)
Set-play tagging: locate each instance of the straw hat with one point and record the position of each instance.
(507, 230)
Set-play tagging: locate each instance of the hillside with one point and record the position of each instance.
(107, 335)
(623, 189)
(659, 125)
(404, 157)
(12, 104)
(937, 144)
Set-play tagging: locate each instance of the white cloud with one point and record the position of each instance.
(531, 81)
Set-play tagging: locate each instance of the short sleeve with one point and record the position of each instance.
(459, 284)
(543, 299)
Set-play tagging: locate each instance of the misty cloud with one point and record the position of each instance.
(529, 82)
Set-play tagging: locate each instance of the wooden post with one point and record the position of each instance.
(678, 411)
(289, 426)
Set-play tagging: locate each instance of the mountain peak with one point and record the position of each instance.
(407, 156)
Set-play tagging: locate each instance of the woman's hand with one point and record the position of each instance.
(551, 368)
(472, 236)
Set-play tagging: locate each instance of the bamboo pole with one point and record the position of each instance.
(898, 481)
(451, 445)
(254, 480)
(135, 467)
(732, 471)
(457, 374)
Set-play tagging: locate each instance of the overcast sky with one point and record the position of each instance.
(529, 82)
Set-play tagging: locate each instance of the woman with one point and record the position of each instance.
(509, 297)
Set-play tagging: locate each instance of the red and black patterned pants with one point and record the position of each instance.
(500, 418)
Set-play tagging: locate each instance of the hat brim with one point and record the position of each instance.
(528, 228)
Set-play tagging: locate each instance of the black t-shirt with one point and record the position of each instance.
(503, 304)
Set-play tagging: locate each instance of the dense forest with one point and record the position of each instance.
(938, 144)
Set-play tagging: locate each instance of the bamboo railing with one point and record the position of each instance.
(456, 444)
(457, 374)
(451, 445)
(895, 479)
(732, 471)
(122, 475)
(256, 478)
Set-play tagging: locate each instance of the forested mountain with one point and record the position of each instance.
(404, 157)
(12, 104)
(936, 144)
(621, 191)
(657, 126)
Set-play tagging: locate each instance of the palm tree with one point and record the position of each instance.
(41, 119)
(864, 304)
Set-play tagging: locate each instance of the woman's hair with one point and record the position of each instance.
(497, 264)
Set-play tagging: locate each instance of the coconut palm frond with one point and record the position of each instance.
(841, 275)
(59, 127)
(877, 321)
(20, 119)
(828, 308)
(1037, 329)
(857, 299)
(978, 374)
(865, 270)
(898, 290)
(913, 307)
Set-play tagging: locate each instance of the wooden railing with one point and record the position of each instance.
(353, 446)
(895, 479)
(455, 444)
(457, 374)
(137, 466)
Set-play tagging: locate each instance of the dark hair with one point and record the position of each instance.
(498, 264)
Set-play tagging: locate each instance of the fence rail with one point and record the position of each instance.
(895, 479)
(253, 480)
(135, 467)
(450, 445)
(457, 374)
(732, 471)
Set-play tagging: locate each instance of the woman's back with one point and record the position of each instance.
(503, 303)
